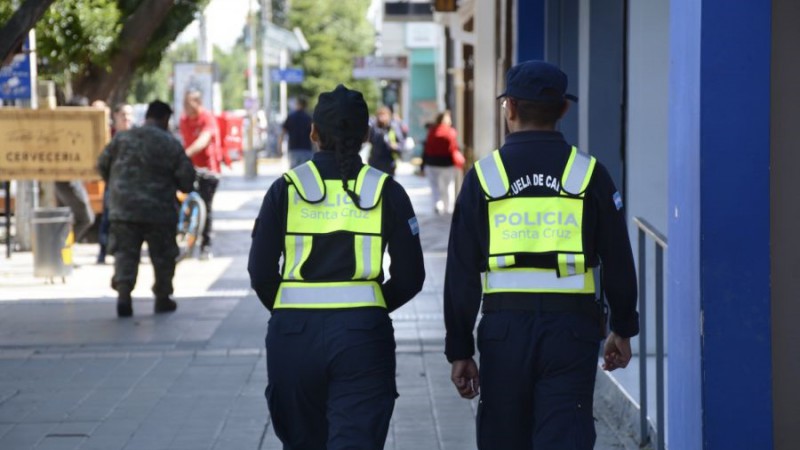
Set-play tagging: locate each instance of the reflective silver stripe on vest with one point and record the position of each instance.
(503, 261)
(368, 191)
(542, 281)
(298, 258)
(571, 270)
(492, 176)
(366, 256)
(314, 295)
(308, 180)
(577, 173)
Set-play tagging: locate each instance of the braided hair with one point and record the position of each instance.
(344, 148)
(341, 119)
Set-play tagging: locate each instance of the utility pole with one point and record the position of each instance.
(266, 21)
(27, 198)
(251, 99)
(205, 54)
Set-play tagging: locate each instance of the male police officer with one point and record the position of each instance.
(143, 168)
(532, 224)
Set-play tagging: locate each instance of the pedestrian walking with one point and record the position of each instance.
(330, 342)
(143, 168)
(73, 194)
(441, 160)
(121, 120)
(298, 129)
(533, 223)
(200, 134)
(386, 139)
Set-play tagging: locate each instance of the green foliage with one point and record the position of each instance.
(155, 84)
(337, 31)
(73, 34)
(231, 72)
(180, 16)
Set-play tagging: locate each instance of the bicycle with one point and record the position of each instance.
(191, 222)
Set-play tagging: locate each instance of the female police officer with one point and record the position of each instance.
(330, 344)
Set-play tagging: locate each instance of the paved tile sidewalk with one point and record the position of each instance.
(73, 376)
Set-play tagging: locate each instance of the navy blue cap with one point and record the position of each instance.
(537, 81)
(342, 112)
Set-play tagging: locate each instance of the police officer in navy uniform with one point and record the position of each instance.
(533, 223)
(330, 342)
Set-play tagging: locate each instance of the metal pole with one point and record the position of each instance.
(284, 108)
(266, 20)
(7, 186)
(251, 161)
(643, 427)
(660, 347)
(27, 197)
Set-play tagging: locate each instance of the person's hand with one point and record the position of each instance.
(617, 352)
(464, 376)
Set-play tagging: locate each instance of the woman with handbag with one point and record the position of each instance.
(442, 160)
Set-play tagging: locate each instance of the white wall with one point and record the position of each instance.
(647, 130)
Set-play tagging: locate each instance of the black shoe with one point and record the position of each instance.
(124, 305)
(206, 254)
(164, 305)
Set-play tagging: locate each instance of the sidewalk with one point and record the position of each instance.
(73, 376)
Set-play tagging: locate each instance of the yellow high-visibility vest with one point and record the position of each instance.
(536, 225)
(318, 207)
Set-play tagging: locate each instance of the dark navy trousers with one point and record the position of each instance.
(537, 373)
(331, 378)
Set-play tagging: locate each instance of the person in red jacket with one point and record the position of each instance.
(200, 135)
(441, 160)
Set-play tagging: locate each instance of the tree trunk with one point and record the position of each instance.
(13, 33)
(120, 93)
(101, 83)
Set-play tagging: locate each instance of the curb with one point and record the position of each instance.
(619, 411)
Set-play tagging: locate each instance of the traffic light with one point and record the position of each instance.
(445, 5)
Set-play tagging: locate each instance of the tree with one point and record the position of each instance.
(13, 32)
(98, 45)
(155, 84)
(336, 31)
(150, 26)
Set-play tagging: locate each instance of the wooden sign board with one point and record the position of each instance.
(48, 145)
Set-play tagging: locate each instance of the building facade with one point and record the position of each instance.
(690, 104)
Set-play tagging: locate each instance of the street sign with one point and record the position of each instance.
(291, 76)
(15, 78)
(250, 104)
(197, 76)
(58, 144)
(377, 67)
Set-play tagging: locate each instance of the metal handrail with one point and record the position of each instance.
(660, 241)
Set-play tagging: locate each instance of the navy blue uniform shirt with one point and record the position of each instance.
(538, 157)
(400, 232)
(298, 126)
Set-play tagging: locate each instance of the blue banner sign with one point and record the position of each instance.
(291, 76)
(15, 78)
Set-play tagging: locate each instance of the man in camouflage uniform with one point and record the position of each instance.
(143, 168)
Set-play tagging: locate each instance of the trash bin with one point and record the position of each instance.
(52, 242)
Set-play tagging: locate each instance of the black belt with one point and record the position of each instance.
(548, 303)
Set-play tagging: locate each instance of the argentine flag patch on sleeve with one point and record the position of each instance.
(617, 200)
(414, 225)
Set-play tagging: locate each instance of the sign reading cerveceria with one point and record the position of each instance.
(60, 144)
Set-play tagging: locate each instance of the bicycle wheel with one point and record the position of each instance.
(191, 222)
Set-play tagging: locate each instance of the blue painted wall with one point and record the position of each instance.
(683, 265)
(735, 289)
(719, 258)
(530, 30)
